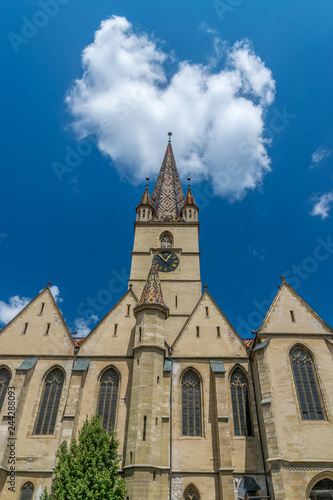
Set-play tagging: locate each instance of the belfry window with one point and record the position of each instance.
(191, 493)
(4, 382)
(240, 403)
(191, 404)
(166, 240)
(27, 491)
(307, 384)
(49, 405)
(108, 396)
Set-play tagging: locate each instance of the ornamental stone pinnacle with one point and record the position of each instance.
(152, 291)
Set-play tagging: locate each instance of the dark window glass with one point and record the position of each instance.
(108, 395)
(48, 410)
(27, 491)
(191, 493)
(191, 404)
(306, 384)
(240, 404)
(4, 382)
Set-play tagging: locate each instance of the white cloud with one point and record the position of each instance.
(14, 306)
(56, 293)
(319, 155)
(127, 101)
(83, 325)
(322, 205)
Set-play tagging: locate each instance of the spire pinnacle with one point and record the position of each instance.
(152, 291)
(167, 199)
(189, 200)
(145, 200)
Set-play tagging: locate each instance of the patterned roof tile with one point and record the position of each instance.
(189, 200)
(168, 197)
(145, 200)
(152, 291)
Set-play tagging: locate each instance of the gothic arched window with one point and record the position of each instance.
(49, 405)
(191, 404)
(191, 493)
(107, 400)
(27, 491)
(240, 403)
(166, 240)
(4, 382)
(323, 489)
(307, 384)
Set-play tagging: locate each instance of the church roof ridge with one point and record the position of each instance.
(283, 285)
(167, 198)
(152, 291)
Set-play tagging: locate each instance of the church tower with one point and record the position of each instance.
(167, 224)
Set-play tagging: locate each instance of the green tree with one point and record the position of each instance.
(89, 470)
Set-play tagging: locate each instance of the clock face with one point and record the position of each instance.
(166, 261)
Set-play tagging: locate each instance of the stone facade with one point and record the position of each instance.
(151, 345)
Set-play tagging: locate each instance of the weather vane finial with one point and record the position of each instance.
(147, 179)
(170, 134)
(189, 181)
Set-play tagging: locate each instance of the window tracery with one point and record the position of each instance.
(191, 493)
(306, 384)
(166, 241)
(27, 491)
(4, 382)
(108, 396)
(240, 403)
(49, 405)
(191, 404)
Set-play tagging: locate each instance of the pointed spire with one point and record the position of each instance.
(168, 197)
(145, 200)
(189, 200)
(152, 291)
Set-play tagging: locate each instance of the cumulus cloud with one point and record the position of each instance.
(319, 155)
(14, 306)
(322, 205)
(56, 293)
(127, 101)
(83, 325)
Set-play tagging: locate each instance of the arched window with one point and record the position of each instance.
(191, 493)
(191, 404)
(166, 240)
(49, 405)
(306, 384)
(240, 403)
(322, 490)
(27, 491)
(4, 382)
(107, 400)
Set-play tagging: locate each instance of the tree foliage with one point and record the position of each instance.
(89, 470)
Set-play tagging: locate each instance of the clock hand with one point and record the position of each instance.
(168, 257)
(159, 255)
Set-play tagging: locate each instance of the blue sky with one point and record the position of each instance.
(72, 175)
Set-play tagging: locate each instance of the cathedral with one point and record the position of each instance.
(200, 413)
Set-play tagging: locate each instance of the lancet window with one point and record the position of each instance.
(166, 240)
(191, 404)
(306, 381)
(191, 493)
(49, 405)
(4, 382)
(27, 491)
(108, 396)
(240, 403)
